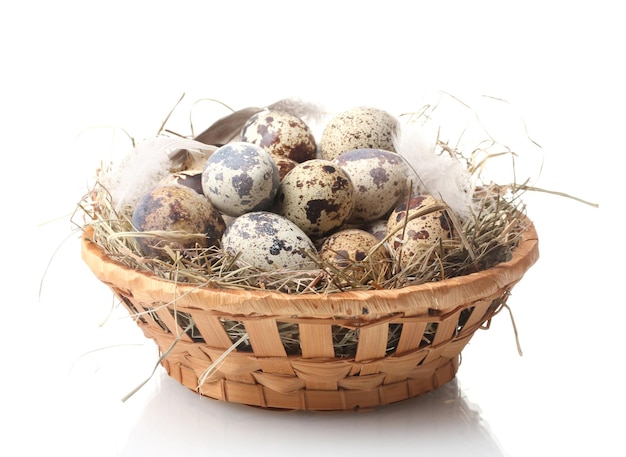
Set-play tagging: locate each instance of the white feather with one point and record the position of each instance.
(307, 111)
(143, 168)
(441, 176)
(314, 115)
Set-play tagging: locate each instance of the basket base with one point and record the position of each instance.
(342, 399)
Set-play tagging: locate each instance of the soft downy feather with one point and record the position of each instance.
(441, 176)
(314, 115)
(147, 164)
(307, 111)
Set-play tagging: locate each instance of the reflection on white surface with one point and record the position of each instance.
(423, 424)
(166, 418)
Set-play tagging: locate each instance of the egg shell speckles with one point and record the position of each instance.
(358, 128)
(239, 178)
(351, 245)
(317, 195)
(349, 250)
(175, 208)
(269, 241)
(418, 235)
(284, 164)
(282, 134)
(379, 178)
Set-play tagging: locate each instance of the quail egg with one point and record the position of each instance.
(357, 254)
(316, 195)
(413, 236)
(269, 241)
(182, 217)
(281, 133)
(239, 178)
(358, 128)
(284, 164)
(379, 178)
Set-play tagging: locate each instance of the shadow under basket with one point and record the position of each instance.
(407, 341)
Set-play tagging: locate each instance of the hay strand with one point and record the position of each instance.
(162, 357)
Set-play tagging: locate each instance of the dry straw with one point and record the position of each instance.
(485, 239)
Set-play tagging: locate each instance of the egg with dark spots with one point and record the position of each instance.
(282, 134)
(379, 178)
(178, 217)
(269, 241)
(317, 195)
(239, 178)
(357, 254)
(284, 164)
(416, 227)
(358, 128)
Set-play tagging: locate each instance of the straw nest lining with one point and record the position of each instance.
(483, 240)
(483, 237)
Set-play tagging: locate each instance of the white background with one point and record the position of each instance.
(75, 73)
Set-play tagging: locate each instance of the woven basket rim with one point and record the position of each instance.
(442, 296)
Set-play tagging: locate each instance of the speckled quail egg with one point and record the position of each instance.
(239, 178)
(188, 216)
(413, 237)
(379, 178)
(358, 128)
(269, 241)
(281, 133)
(354, 253)
(317, 195)
(284, 164)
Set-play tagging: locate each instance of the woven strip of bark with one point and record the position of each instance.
(435, 321)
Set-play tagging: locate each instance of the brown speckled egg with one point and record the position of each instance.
(268, 241)
(284, 164)
(239, 178)
(358, 128)
(317, 195)
(174, 208)
(354, 252)
(281, 133)
(379, 178)
(413, 239)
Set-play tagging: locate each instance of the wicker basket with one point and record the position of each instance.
(266, 374)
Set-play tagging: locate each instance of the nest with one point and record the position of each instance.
(484, 240)
(486, 237)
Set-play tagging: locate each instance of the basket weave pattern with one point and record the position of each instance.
(433, 323)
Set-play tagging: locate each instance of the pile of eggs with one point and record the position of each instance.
(278, 199)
